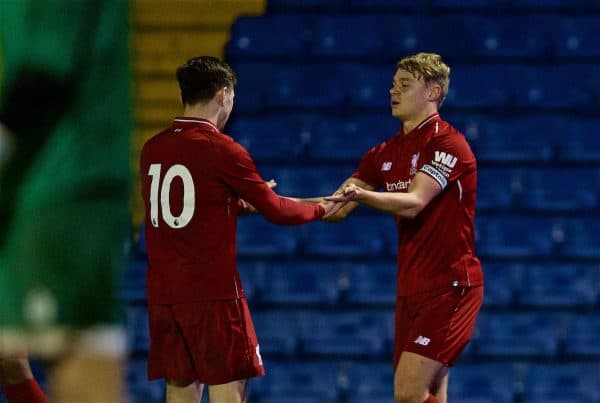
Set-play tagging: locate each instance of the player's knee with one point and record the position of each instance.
(409, 395)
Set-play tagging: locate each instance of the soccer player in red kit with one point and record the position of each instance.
(429, 177)
(196, 180)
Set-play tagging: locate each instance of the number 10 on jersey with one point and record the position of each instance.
(189, 195)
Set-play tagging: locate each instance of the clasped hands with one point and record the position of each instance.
(337, 201)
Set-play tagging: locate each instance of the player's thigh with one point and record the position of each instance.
(414, 376)
(182, 392)
(232, 392)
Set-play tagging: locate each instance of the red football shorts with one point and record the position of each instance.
(436, 324)
(212, 342)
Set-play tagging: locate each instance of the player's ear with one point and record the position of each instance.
(434, 92)
(220, 96)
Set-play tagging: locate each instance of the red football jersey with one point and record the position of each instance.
(193, 177)
(436, 248)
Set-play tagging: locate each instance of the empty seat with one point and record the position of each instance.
(277, 331)
(133, 284)
(503, 282)
(371, 382)
(299, 382)
(562, 383)
(353, 237)
(460, 5)
(522, 335)
(481, 383)
(269, 137)
(575, 37)
(549, 5)
(373, 284)
(307, 181)
(581, 337)
(304, 6)
(581, 238)
(136, 320)
(555, 87)
(383, 5)
(347, 36)
(544, 189)
(370, 87)
(482, 86)
(560, 286)
(255, 81)
(505, 238)
(139, 389)
(515, 37)
(345, 335)
(258, 237)
(498, 188)
(348, 139)
(274, 36)
(580, 142)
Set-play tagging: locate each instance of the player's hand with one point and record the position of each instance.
(350, 193)
(271, 183)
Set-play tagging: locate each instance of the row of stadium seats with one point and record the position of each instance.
(302, 137)
(359, 382)
(369, 334)
(376, 36)
(337, 87)
(331, 284)
(494, 7)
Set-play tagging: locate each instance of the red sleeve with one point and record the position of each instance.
(239, 172)
(447, 157)
(368, 170)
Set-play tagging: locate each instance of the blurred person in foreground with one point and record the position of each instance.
(196, 181)
(429, 177)
(64, 195)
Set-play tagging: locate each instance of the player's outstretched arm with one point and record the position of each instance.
(422, 190)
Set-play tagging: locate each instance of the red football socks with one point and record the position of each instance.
(431, 399)
(27, 391)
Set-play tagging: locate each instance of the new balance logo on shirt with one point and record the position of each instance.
(422, 340)
(386, 166)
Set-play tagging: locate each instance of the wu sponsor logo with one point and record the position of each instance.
(422, 340)
(386, 166)
(445, 159)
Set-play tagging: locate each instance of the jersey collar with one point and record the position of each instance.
(430, 119)
(196, 121)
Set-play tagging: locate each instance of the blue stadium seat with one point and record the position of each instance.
(408, 35)
(255, 81)
(505, 282)
(549, 5)
(307, 181)
(269, 137)
(296, 382)
(353, 237)
(516, 335)
(371, 382)
(555, 87)
(580, 142)
(521, 37)
(299, 284)
(560, 286)
(467, 82)
(574, 37)
(136, 321)
(563, 383)
(582, 239)
(139, 389)
(309, 87)
(274, 37)
(498, 188)
(481, 383)
(345, 335)
(464, 5)
(304, 6)
(348, 139)
(277, 331)
(581, 337)
(133, 285)
(347, 36)
(258, 237)
(544, 189)
(370, 87)
(373, 284)
(380, 6)
(504, 238)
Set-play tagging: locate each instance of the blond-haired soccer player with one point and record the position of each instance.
(429, 179)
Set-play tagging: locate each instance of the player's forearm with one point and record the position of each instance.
(402, 204)
(313, 200)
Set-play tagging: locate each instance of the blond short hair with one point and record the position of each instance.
(431, 67)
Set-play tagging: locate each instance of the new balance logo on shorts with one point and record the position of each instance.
(422, 340)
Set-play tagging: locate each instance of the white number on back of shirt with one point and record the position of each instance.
(161, 199)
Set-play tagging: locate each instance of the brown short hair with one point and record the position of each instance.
(201, 77)
(431, 67)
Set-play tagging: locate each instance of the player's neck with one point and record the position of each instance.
(409, 124)
(200, 111)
